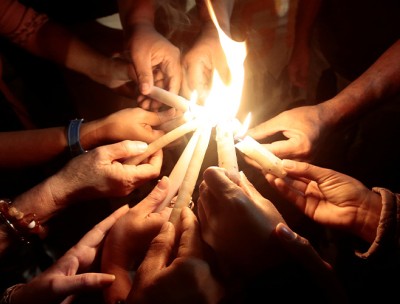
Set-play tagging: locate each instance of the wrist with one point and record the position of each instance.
(21, 225)
(73, 137)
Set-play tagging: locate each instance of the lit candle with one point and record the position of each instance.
(226, 150)
(178, 172)
(168, 98)
(164, 140)
(268, 161)
(189, 182)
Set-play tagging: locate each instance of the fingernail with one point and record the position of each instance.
(141, 146)
(162, 183)
(288, 164)
(286, 232)
(144, 88)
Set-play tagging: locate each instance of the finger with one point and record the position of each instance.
(144, 72)
(152, 168)
(160, 249)
(265, 129)
(306, 170)
(190, 243)
(157, 118)
(155, 197)
(173, 71)
(219, 183)
(294, 196)
(284, 148)
(95, 236)
(195, 76)
(126, 149)
(67, 285)
(299, 185)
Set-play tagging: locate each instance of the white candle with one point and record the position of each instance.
(164, 140)
(226, 150)
(268, 161)
(192, 173)
(168, 98)
(178, 172)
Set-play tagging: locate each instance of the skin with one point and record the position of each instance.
(129, 239)
(71, 274)
(303, 127)
(207, 54)
(96, 174)
(176, 278)
(56, 43)
(154, 58)
(330, 198)
(243, 240)
(22, 148)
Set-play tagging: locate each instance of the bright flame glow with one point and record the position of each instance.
(223, 100)
(241, 132)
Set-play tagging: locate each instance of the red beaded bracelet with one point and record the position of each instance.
(22, 225)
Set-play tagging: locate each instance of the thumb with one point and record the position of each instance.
(144, 75)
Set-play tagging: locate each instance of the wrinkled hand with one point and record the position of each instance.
(199, 64)
(70, 274)
(237, 222)
(127, 242)
(187, 279)
(330, 198)
(101, 172)
(303, 127)
(151, 52)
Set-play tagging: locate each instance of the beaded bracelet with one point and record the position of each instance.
(23, 226)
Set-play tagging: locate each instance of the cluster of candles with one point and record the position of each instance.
(229, 137)
(201, 120)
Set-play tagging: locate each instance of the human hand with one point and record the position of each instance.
(187, 279)
(303, 128)
(116, 74)
(70, 274)
(151, 53)
(200, 61)
(101, 172)
(237, 222)
(330, 198)
(130, 123)
(126, 244)
(304, 253)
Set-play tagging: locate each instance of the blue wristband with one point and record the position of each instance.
(73, 137)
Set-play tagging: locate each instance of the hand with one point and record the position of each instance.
(70, 274)
(199, 64)
(151, 52)
(237, 222)
(303, 252)
(129, 123)
(302, 126)
(115, 73)
(330, 198)
(101, 172)
(187, 279)
(127, 242)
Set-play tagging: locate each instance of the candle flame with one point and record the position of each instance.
(224, 99)
(241, 131)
